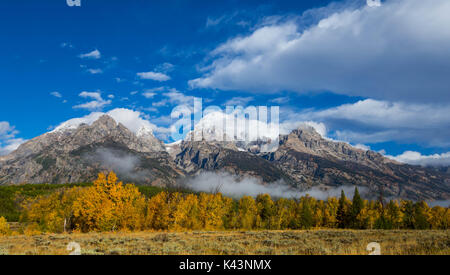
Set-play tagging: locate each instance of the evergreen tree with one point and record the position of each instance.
(408, 214)
(266, 211)
(394, 215)
(421, 216)
(342, 215)
(382, 222)
(357, 206)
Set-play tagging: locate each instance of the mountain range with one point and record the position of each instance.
(303, 160)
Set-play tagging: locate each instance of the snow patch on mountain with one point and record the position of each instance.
(133, 120)
(218, 126)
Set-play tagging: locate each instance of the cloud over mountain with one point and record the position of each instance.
(372, 121)
(417, 158)
(397, 51)
(8, 140)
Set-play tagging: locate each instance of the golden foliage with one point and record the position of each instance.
(4, 227)
(53, 213)
(247, 213)
(109, 205)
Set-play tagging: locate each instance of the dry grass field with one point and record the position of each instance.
(312, 242)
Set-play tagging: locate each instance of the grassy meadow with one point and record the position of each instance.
(308, 242)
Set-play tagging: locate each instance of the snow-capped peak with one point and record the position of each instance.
(133, 120)
(74, 123)
(218, 126)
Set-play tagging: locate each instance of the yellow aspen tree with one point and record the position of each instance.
(438, 217)
(186, 215)
(247, 213)
(158, 212)
(318, 214)
(282, 217)
(445, 220)
(109, 206)
(42, 213)
(212, 211)
(373, 214)
(330, 213)
(130, 208)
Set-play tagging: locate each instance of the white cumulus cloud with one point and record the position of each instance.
(417, 158)
(154, 76)
(56, 94)
(95, 71)
(97, 102)
(397, 51)
(373, 121)
(8, 140)
(95, 54)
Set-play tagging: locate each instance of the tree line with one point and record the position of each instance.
(109, 205)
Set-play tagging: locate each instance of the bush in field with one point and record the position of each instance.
(4, 227)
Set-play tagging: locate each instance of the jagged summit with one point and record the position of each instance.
(308, 140)
(105, 121)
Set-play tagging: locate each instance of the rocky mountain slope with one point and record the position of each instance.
(77, 155)
(303, 160)
(312, 160)
(195, 157)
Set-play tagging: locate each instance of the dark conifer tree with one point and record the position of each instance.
(342, 215)
(408, 215)
(357, 206)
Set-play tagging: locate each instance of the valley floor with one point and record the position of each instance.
(311, 242)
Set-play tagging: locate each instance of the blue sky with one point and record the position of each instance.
(370, 75)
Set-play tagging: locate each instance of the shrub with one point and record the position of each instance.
(4, 227)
